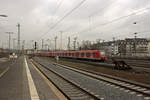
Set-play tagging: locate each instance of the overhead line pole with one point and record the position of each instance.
(61, 40)
(135, 42)
(69, 43)
(55, 43)
(9, 33)
(75, 43)
(14, 43)
(18, 26)
(42, 44)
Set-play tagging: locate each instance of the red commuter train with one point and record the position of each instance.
(84, 54)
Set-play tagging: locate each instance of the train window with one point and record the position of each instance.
(82, 54)
(77, 54)
(88, 54)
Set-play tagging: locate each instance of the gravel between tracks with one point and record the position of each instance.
(142, 78)
(101, 88)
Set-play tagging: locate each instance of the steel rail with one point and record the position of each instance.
(113, 80)
(90, 94)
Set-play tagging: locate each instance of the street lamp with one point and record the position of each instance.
(3, 15)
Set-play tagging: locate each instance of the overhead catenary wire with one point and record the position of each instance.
(57, 8)
(59, 4)
(54, 13)
(127, 35)
(117, 19)
(95, 13)
(127, 27)
(98, 11)
(112, 21)
(66, 15)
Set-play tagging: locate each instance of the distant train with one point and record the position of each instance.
(83, 55)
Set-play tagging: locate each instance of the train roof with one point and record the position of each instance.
(71, 51)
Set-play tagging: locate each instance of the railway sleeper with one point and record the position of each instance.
(81, 97)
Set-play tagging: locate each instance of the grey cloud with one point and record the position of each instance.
(38, 16)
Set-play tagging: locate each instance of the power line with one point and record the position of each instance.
(117, 19)
(66, 15)
(54, 13)
(141, 32)
(95, 13)
(114, 20)
(98, 11)
(60, 3)
(57, 8)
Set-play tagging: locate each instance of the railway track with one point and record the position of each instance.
(134, 87)
(108, 63)
(70, 89)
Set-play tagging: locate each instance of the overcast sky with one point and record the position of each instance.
(94, 19)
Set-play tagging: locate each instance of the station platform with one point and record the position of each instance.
(19, 80)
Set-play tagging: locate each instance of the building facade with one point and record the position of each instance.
(1, 50)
